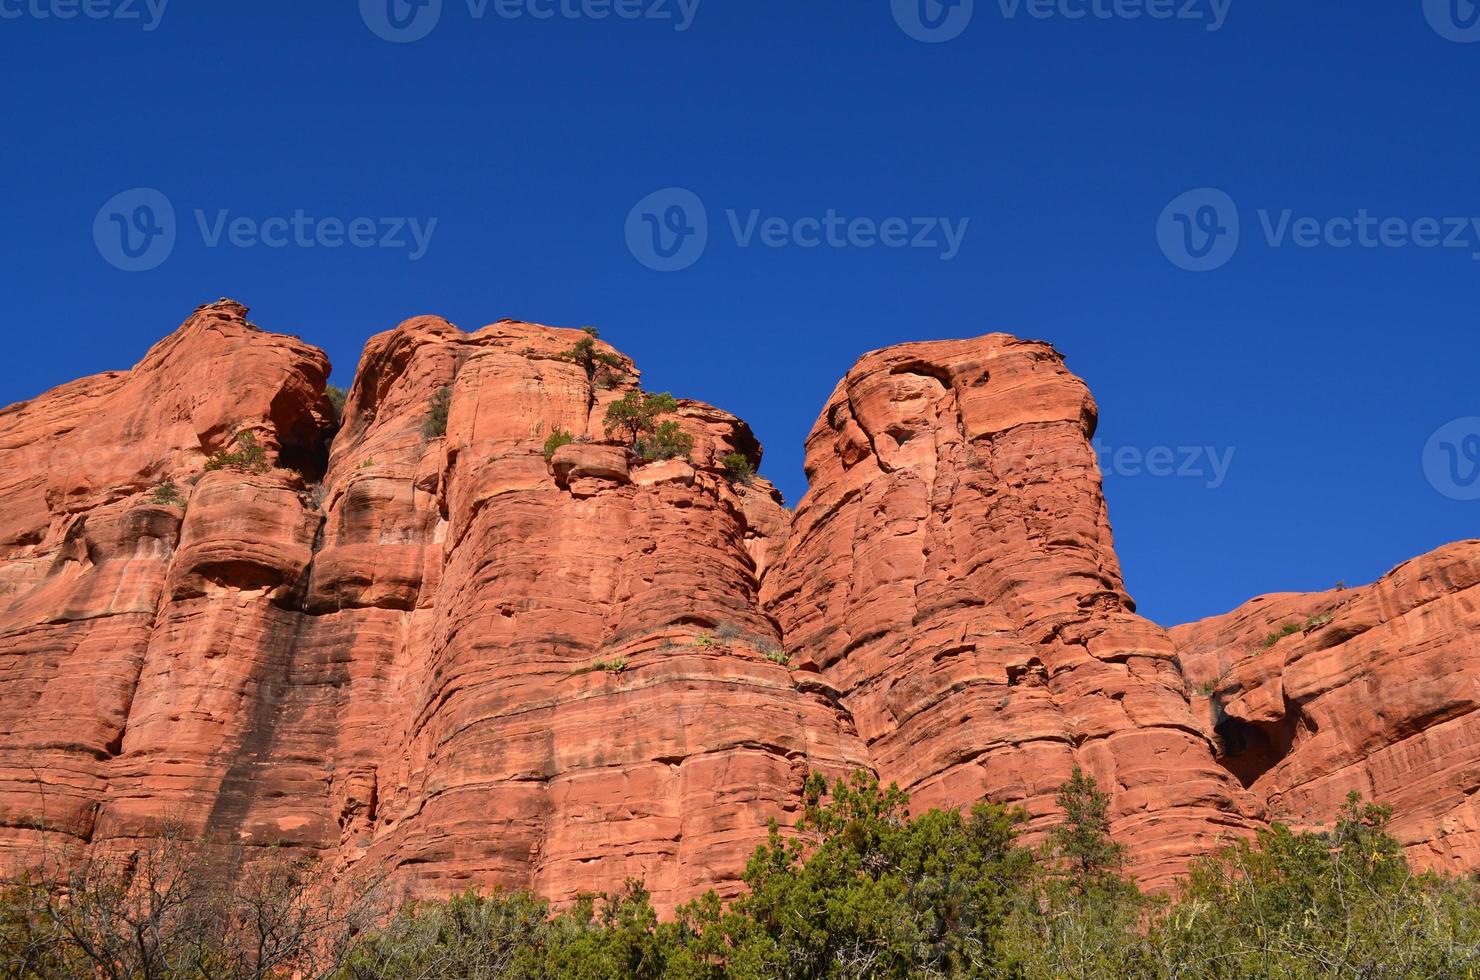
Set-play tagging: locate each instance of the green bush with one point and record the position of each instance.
(858, 890)
(668, 441)
(169, 494)
(557, 438)
(337, 397)
(1279, 634)
(737, 468)
(636, 414)
(436, 424)
(248, 457)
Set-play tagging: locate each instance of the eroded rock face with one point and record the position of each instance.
(1373, 689)
(431, 651)
(950, 571)
(449, 658)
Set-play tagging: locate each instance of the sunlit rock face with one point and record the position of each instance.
(439, 653)
(1372, 689)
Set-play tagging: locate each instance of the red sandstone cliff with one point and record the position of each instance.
(1373, 689)
(448, 657)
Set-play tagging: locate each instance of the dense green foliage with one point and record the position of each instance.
(437, 410)
(857, 889)
(337, 397)
(667, 441)
(635, 415)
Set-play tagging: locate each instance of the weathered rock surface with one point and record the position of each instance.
(950, 572)
(439, 654)
(449, 657)
(1373, 689)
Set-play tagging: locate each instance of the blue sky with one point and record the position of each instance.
(1057, 149)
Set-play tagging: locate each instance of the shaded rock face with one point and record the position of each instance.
(440, 655)
(1373, 689)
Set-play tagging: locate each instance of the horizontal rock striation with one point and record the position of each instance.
(408, 638)
(950, 571)
(1372, 689)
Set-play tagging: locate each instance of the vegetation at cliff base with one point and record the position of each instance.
(857, 889)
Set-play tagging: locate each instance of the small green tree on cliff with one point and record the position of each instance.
(600, 366)
(635, 415)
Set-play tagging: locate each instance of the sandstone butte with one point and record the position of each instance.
(452, 661)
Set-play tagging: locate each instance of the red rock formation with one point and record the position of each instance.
(1372, 689)
(470, 664)
(445, 656)
(950, 571)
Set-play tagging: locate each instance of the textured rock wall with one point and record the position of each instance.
(950, 571)
(445, 656)
(400, 661)
(1376, 691)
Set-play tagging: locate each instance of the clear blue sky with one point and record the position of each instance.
(1061, 140)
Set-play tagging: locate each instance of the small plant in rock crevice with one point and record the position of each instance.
(169, 494)
(437, 410)
(248, 457)
(1287, 630)
(559, 437)
(778, 656)
(603, 368)
(737, 468)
